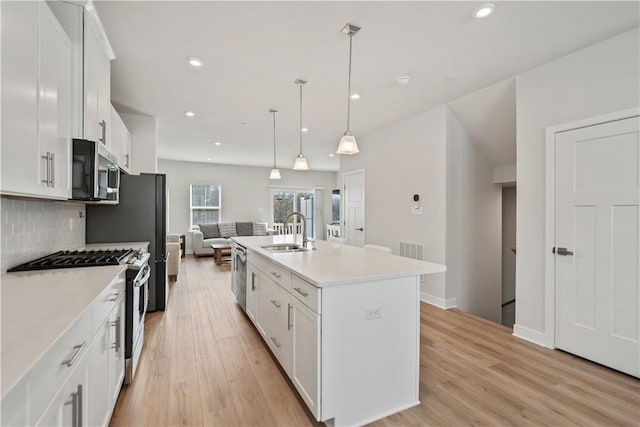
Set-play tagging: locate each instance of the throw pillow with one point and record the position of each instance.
(227, 229)
(209, 231)
(244, 228)
(259, 228)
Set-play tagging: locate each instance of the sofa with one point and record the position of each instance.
(208, 234)
(175, 253)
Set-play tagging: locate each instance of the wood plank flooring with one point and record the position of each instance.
(204, 364)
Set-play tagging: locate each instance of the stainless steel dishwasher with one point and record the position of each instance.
(239, 274)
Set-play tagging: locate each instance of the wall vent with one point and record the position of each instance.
(413, 250)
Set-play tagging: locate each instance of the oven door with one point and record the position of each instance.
(140, 300)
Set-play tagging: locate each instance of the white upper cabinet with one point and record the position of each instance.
(120, 140)
(36, 102)
(97, 81)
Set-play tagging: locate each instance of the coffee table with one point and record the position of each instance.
(220, 250)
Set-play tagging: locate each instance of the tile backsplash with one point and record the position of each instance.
(31, 228)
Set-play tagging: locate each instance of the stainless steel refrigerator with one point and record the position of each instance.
(141, 215)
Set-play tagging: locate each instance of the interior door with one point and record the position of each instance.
(596, 236)
(354, 208)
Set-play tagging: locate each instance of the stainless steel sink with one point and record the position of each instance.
(284, 247)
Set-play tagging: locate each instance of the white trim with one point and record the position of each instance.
(536, 337)
(192, 226)
(437, 301)
(548, 336)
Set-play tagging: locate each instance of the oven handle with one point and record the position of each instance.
(139, 282)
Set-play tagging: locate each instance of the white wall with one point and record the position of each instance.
(474, 226)
(245, 191)
(144, 134)
(401, 160)
(599, 79)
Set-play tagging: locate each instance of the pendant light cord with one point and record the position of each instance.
(349, 84)
(300, 127)
(274, 139)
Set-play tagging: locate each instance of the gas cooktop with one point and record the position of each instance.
(70, 259)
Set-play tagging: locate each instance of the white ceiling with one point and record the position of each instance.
(253, 52)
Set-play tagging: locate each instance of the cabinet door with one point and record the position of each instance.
(305, 372)
(104, 96)
(99, 376)
(252, 293)
(274, 307)
(116, 134)
(116, 361)
(92, 128)
(54, 105)
(61, 410)
(20, 147)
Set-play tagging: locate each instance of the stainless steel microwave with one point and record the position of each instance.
(95, 172)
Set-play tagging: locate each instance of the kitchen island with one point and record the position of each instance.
(342, 321)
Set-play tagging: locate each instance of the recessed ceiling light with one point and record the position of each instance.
(305, 129)
(403, 80)
(217, 143)
(208, 158)
(484, 10)
(195, 62)
(355, 96)
(189, 113)
(331, 154)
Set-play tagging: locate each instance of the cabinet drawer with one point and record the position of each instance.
(45, 378)
(307, 293)
(274, 272)
(276, 303)
(106, 301)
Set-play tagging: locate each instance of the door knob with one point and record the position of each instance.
(360, 229)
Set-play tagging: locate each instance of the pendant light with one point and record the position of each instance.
(301, 162)
(275, 172)
(348, 144)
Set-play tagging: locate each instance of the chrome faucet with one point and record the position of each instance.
(304, 226)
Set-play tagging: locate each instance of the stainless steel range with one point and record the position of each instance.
(137, 294)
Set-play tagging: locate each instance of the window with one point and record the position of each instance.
(287, 201)
(205, 204)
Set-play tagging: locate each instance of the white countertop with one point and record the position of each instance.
(336, 264)
(136, 246)
(38, 307)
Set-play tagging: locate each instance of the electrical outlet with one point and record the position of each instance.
(373, 313)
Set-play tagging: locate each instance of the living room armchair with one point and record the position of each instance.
(174, 252)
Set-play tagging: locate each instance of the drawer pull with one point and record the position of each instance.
(274, 302)
(289, 325)
(78, 349)
(275, 341)
(276, 275)
(301, 292)
(116, 345)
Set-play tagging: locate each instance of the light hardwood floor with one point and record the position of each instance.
(203, 364)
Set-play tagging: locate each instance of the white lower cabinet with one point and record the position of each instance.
(116, 356)
(291, 329)
(305, 343)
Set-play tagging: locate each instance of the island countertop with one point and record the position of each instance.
(337, 264)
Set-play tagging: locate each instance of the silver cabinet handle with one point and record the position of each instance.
(253, 282)
(116, 324)
(79, 405)
(47, 180)
(301, 292)
(289, 325)
(52, 178)
(73, 401)
(274, 302)
(275, 341)
(277, 275)
(103, 124)
(360, 229)
(78, 349)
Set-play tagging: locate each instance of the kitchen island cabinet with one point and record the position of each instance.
(343, 322)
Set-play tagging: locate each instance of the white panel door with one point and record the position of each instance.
(354, 208)
(596, 237)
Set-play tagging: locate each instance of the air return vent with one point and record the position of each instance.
(413, 250)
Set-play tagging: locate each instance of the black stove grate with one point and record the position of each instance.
(70, 259)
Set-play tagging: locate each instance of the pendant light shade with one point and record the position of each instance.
(348, 143)
(300, 163)
(275, 172)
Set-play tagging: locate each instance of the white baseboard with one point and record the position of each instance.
(437, 301)
(189, 252)
(531, 335)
